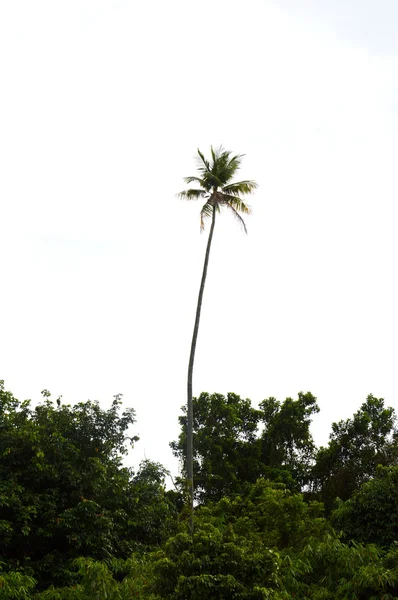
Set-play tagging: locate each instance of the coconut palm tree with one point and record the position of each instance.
(216, 188)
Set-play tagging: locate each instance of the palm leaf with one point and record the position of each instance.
(236, 202)
(224, 166)
(240, 187)
(230, 165)
(237, 216)
(193, 178)
(212, 181)
(205, 213)
(192, 194)
(204, 165)
(215, 154)
(209, 177)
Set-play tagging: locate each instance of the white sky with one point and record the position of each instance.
(102, 106)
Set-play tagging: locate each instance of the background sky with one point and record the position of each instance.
(102, 107)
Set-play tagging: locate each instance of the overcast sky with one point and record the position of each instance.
(102, 107)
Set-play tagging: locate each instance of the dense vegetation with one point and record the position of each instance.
(275, 516)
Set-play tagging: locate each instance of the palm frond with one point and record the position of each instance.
(209, 175)
(212, 181)
(215, 154)
(237, 216)
(221, 169)
(229, 165)
(236, 202)
(192, 194)
(192, 178)
(205, 213)
(240, 187)
(204, 165)
(230, 168)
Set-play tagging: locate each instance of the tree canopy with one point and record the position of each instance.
(64, 491)
(356, 447)
(236, 443)
(77, 524)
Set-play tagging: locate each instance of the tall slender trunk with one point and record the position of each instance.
(190, 372)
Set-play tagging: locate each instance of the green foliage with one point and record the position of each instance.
(64, 492)
(231, 450)
(371, 514)
(355, 449)
(226, 450)
(15, 585)
(153, 516)
(265, 544)
(275, 515)
(287, 445)
(214, 563)
(328, 569)
(105, 580)
(269, 543)
(87, 528)
(236, 546)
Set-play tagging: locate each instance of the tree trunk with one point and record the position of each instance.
(190, 372)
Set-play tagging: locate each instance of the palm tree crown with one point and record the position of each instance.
(216, 186)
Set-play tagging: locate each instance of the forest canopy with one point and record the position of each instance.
(275, 516)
